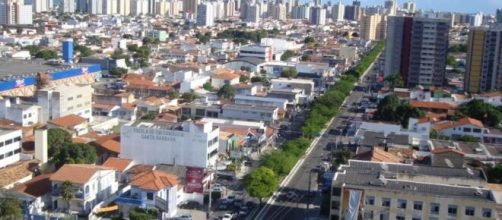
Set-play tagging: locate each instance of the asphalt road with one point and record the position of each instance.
(299, 183)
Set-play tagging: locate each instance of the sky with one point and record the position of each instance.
(471, 6)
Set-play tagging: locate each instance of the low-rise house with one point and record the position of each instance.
(223, 77)
(35, 195)
(432, 106)
(91, 184)
(152, 189)
(120, 165)
(464, 126)
(155, 105)
(268, 114)
(74, 124)
(11, 108)
(10, 150)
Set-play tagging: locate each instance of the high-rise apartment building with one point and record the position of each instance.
(390, 7)
(123, 7)
(484, 60)
(475, 20)
(373, 27)
(139, 7)
(229, 8)
(66, 6)
(499, 15)
(417, 49)
(40, 6)
(279, 12)
(317, 16)
(252, 13)
(353, 12)
(205, 14)
(410, 7)
(190, 6)
(338, 11)
(14, 12)
(301, 12)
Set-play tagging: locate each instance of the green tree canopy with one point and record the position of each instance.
(118, 71)
(280, 162)
(227, 91)
(309, 40)
(143, 214)
(395, 81)
(57, 138)
(84, 51)
(208, 86)
(290, 72)
(47, 54)
(484, 112)
(203, 38)
(74, 154)
(306, 57)
(261, 183)
(173, 93)
(494, 174)
(10, 208)
(392, 110)
(468, 138)
(287, 54)
(33, 49)
(189, 96)
(243, 78)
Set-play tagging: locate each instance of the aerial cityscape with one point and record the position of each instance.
(251, 109)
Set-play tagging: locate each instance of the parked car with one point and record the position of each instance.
(291, 195)
(185, 217)
(243, 211)
(227, 216)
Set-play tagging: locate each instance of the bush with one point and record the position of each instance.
(143, 214)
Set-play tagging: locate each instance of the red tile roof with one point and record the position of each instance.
(378, 155)
(118, 164)
(431, 105)
(38, 186)
(76, 173)
(68, 121)
(154, 180)
(463, 121)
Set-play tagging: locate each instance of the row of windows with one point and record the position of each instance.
(10, 141)
(71, 98)
(434, 207)
(9, 154)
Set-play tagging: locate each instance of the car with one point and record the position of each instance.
(334, 131)
(238, 203)
(185, 217)
(223, 206)
(231, 199)
(243, 211)
(227, 216)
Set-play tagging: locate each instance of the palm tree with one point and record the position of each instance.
(67, 192)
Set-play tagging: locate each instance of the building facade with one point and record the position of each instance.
(65, 100)
(373, 27)
(317, 16)
(377, 190)
(417, 50)
(186, 144)
(10, 150)
(484, 60)
(205, 14)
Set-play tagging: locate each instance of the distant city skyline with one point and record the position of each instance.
(470, 6)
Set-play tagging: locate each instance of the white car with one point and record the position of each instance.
(227, 216)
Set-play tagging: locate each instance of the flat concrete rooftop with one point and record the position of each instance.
(29, 67)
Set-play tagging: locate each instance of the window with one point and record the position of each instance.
(10, 153)
(386, 202)
(469, 211)
(417, 205)
(370, 200)
(70, 98)
(200, 112)
(79, 96)
(336, 191)
(186, 111)
(86, 189)
(149, 196)
(16, 139)
(476, 130)
(24, 116)
(487, 213)
(400, 217)
(1, 143)
(435, 208)
(452, 210)
(7, 142)
(335, 205)
(2, 156)
(17, 151)
(401, 203)
(467, 129)
(416, 218)
(29, 115)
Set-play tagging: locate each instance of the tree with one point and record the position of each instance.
(342, 156)
(261, 183)
(395, 81)
(173, 94)
(46, 54)
(386, 109)
(243, 78)
(56, 138)
(84, 51)
(287, 54)
(66, 192)
(306, 58)
(189, 96)
(484, 112)
(290, 72)
(74, 154)
(143, 214)
(458, 48)
(309, 40)
(10, 208)
(452, 61)
(468, 138)
(494, 174)
(227, 91)
(203, 38)
(208, 86)
(33, 49)
(148, 116)
(118, 71)
(280, 162)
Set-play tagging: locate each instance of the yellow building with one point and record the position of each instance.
(377, 190)
(373, 27)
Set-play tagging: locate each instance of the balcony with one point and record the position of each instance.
(131, 199)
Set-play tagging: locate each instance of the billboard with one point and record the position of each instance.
(194, 180)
